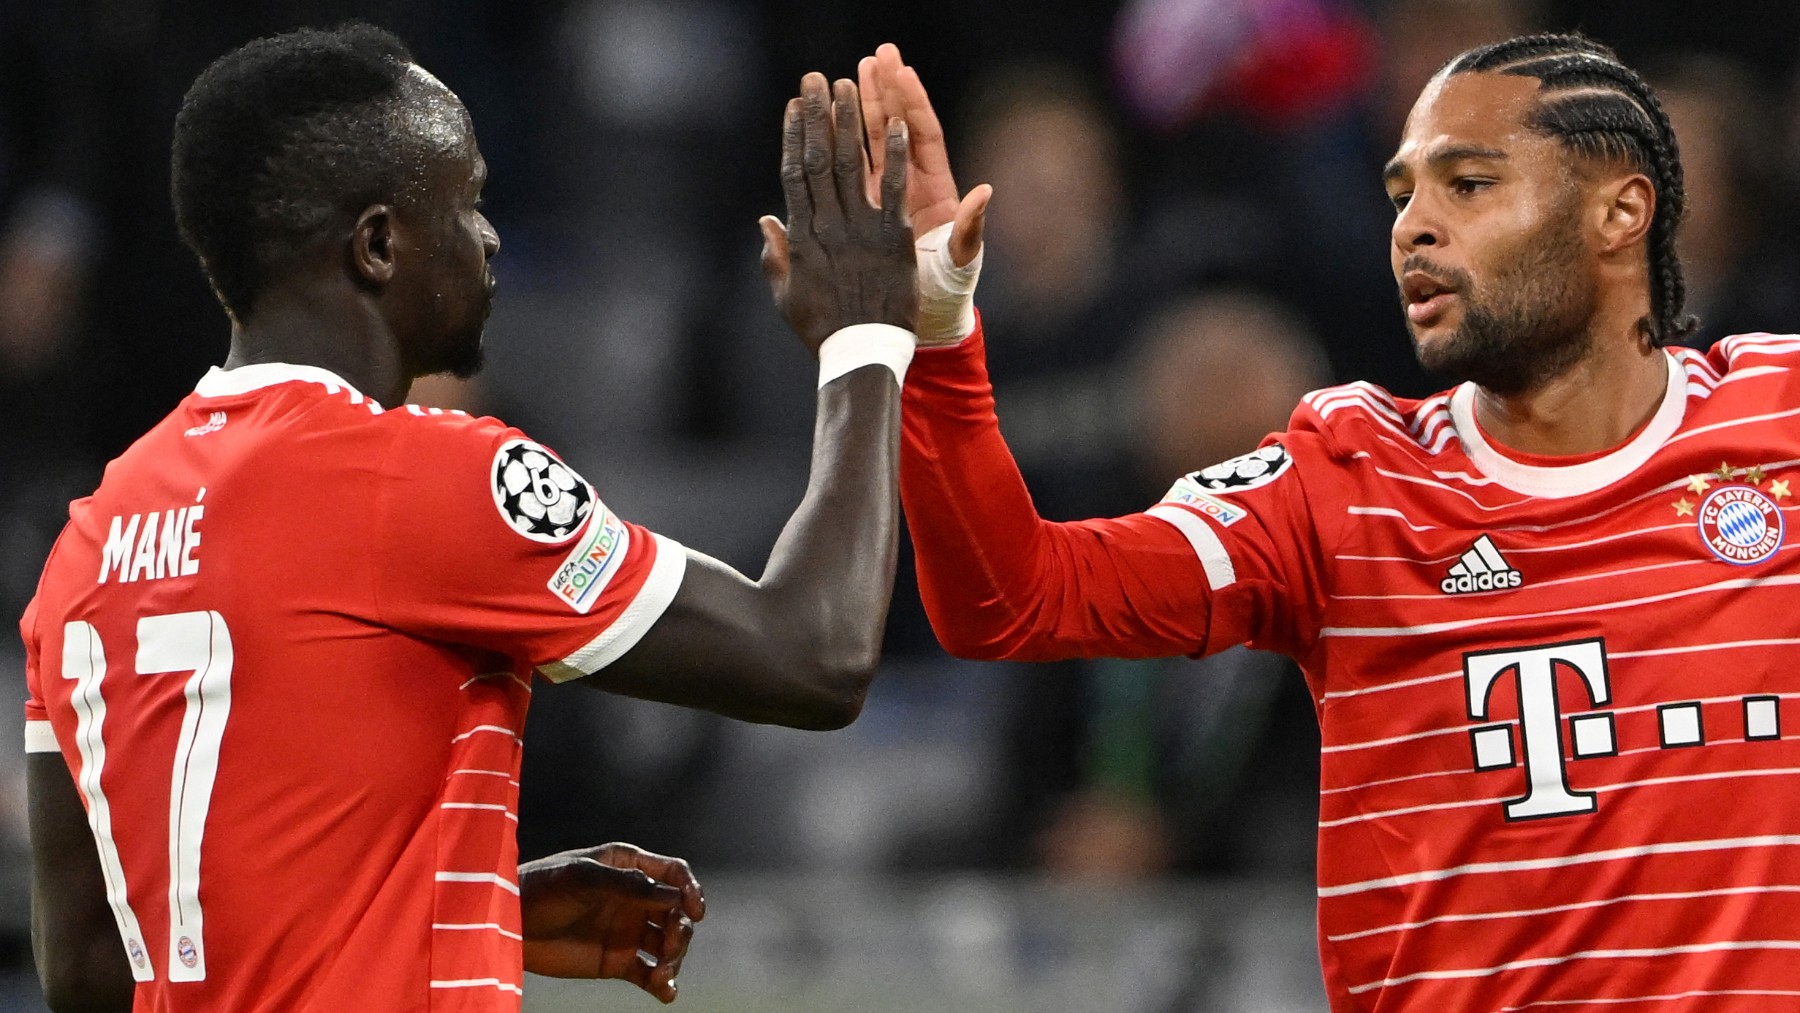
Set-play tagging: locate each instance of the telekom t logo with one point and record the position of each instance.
(1532, 672)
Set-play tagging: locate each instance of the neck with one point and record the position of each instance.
(314, 324)
(1594, 405)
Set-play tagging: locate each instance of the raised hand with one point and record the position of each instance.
(588, 913)
(890, 88)
(840, 259)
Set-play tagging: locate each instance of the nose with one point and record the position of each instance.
(1416, 225)
(490, 239)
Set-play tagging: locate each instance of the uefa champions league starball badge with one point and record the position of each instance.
(539, 496)
(1739, 522)
(1248, 471)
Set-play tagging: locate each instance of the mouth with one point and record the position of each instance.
(1427, 298)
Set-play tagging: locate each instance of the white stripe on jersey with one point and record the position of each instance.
(1374, 511)
(1760, 343)
(1639, 708)
(479, 983)
(491, 773)
(1772, 580)
(1752, 372)
(1629, 898)
(475, 927)
(1652, 652)
(1220, 573)
(1717, 775)
(501, 729)
(1516, 965)
(1396, 739)
(1732, 424)
(491, 806)
(1562, 862)
(1463, 770)
(492, 878)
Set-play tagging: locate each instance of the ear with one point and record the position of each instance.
(372, 244)
(1627, 205)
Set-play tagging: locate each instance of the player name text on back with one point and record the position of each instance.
(153, 545)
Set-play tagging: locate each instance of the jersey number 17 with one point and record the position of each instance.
(196, 644)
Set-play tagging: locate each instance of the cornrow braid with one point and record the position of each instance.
(1602, 109)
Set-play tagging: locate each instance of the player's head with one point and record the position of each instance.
(331, 153)
(1538, 189)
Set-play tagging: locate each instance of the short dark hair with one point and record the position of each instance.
(278, 140)
(1602, 109)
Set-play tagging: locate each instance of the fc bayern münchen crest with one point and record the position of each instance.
(1740, 525)
(539, 496)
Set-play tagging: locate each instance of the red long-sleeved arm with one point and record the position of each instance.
(998, 581)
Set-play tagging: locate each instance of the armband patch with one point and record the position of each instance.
(585, 572)
(1188, 494)
(537, 495)
(1249, 471)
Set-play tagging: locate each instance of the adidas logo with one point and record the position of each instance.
(1481, 568)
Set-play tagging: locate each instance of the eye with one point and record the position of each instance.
(1468, 186)
(1399, 201)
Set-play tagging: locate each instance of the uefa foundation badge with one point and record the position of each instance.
(1739, 522)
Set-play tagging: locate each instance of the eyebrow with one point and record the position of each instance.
(1444, 156)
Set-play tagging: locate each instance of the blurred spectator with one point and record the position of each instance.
(1062, 287)
(1139, 768)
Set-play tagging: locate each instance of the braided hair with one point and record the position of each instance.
(1602, 109)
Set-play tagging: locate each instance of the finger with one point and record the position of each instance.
(775, 263)
(683, 933)
(642, 972)
(675, 872)
(887, 66)
(971, 217)
(673, 939)
(875, 118)
(634, 887)
(928, 150)
(849, 165)
(816, 152)
(893, 180)
(793, 172)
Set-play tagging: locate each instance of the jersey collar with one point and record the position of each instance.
(1558, 482)
(228, 382)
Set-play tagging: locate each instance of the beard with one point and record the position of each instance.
(465, 358)
(1528, 323)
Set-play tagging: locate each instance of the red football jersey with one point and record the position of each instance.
(1559, 768)
(286, 650)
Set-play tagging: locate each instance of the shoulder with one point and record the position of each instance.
(1361, 417)
(450, 462)
(1740, 356)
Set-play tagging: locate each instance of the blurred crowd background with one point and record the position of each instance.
(1188, 232)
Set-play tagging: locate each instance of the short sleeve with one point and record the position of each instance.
(38, 737)
(487, 538)
(1251, 522)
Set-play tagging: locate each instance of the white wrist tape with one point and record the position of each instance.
(865, 344)
(946, 292)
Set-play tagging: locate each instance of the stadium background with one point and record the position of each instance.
(1188, 231)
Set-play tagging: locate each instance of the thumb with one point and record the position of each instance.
(774, 251)
(971, 215)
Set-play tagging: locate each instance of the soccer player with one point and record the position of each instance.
(1548, 617)
(279, 662)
